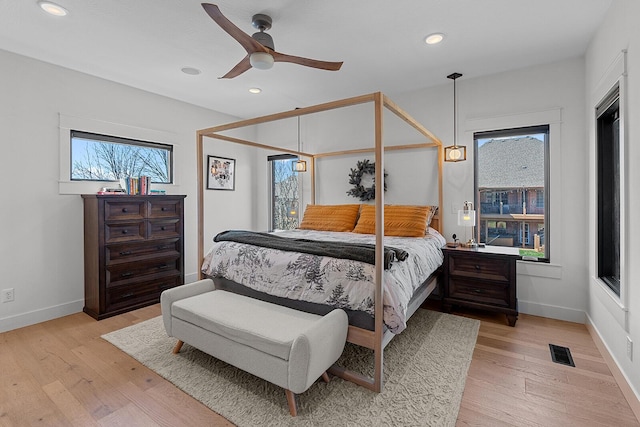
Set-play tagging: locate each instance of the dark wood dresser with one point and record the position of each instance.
(133, 250)
(482, 278)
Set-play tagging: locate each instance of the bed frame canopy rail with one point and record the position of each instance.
(377, 339)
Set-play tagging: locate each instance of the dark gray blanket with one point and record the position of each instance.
(362, 252)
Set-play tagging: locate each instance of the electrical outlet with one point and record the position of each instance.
(8, 295)
(629, 348)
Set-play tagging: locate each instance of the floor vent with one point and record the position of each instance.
(561, 355)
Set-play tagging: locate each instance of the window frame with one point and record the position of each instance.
(515, 131)
(67, 122)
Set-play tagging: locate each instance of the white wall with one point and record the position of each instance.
(42, 243)
(614, 319)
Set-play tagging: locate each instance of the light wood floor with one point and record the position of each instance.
(62, 373)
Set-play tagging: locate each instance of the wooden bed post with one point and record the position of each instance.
(379, 291)
(200, 200)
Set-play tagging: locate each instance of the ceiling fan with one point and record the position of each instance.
(260, 49)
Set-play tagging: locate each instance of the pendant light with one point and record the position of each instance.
(455, 152)
(300, 165)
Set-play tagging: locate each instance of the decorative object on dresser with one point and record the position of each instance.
(133, 250)
(482, 278)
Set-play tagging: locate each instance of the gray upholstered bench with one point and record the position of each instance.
(286, 347)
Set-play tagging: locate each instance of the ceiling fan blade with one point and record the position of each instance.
(323, 65)
(247, 42)
(240, 68)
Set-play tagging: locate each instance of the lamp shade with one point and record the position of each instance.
(300, 166)
(261, 60)
(455, 153)
(467, 217)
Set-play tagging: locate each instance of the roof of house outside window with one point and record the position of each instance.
(511, 163)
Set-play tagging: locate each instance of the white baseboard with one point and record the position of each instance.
(552, 311)
(630, 393)
(42, 315)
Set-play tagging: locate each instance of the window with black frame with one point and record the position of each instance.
(512, 188)
(285, 209)
(96, 157)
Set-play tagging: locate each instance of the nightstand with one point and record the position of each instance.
(482, 278)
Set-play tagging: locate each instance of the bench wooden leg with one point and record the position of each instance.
(178, 346)
(325, 377)
(291, 400)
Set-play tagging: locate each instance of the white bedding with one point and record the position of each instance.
(325, 280)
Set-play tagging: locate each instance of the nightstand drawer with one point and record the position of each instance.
(480, 267)
(479, 291)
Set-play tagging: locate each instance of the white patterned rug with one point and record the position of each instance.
(425, 370)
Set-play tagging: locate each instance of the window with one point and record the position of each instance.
(608, 187)
(284, 192)
(512, 170)
(97, 157)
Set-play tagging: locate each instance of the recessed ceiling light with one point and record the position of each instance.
(52, 8)
(434, 38)
(255, 90)
(191, 71)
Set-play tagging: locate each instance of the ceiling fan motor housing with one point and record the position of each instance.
(264, 39)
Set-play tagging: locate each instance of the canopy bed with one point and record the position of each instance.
(377, 335)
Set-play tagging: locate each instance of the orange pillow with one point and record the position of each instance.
(399, 220)
(330, 217)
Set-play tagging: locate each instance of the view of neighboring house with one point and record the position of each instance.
(511, 191)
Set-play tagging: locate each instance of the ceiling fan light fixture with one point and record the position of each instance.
(434, 38)
(52, 8)
(261, 60)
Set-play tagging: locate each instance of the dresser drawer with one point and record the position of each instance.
(125, 209)
(129, 251)
(124, 232)
(138, 293)
(479, 291)
(161, 208)
(480, 267)
(160, 229)
(133, 271)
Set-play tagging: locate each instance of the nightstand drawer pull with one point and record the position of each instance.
(126, 274)
(125, 253)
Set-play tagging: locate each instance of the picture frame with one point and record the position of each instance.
(221, 173)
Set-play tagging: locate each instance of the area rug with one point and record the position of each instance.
(425, 368)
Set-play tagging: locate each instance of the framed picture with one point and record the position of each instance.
(221, 173)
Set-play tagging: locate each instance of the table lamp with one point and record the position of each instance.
(467, 218)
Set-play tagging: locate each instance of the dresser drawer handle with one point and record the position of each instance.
(125, 253)
(124, 210)
(163, 209)
(163, 266)
(163, 247)
(125, 231)
(477, 267)
(126, 274)
(127, 295)
(163, 228)
(478, 291)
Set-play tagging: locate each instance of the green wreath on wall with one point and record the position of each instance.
(364, 167)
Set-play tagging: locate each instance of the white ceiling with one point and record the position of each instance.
(145, 43)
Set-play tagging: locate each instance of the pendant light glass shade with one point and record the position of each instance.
(455, 152)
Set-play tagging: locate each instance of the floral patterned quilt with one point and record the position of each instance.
(331, 281)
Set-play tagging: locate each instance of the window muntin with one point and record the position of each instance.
(284, 192)
(96, 157)
(512, 176)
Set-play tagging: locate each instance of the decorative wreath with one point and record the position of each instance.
(364, 167)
